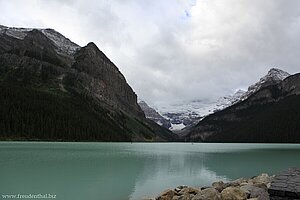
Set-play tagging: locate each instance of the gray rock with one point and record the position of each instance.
(166, 195)
(261, 185)
(239, 181)
(255, 192)
(233, 193)
(207, 194)
(179, 188)
(286, 184)
(183, 197)
(218, 185)
(188, 190)
(235, 183)
(263, 178)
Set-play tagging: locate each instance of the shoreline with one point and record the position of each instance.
(282, 186)
(139, 142)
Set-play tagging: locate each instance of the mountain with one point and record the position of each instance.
(182, 114)
(53, 89)
(273, 76)
(186, 114)
(153, 115)
(269, 113)
(229, 100)
(189, 113)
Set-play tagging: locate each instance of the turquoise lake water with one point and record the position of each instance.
(123, 171)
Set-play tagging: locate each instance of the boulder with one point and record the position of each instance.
(204, 187)
(246, 183)
(188, 190)
(179, 188)
(263, 178)
(235, 183)
(183, 197)
(239, 181)
(166, 195)
(255, 192)
(233, 193)
(218, 185)
(247, 189)
(207, 194)
(261, 185)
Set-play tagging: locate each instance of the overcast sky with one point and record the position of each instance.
(171, 50)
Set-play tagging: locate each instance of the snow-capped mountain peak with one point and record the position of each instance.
(63, 44)
(274, 76)
(190, 113)
(277, 74)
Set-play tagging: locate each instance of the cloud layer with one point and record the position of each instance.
(176, 50)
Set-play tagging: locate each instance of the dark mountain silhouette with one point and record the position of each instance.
(53, 89)
(269, 114)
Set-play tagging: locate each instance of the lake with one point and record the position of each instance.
(122, 171)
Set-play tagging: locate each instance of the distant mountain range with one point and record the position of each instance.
(53, 89)
(268, 112)
(186, 114)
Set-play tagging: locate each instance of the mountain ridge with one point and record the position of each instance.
(273, 76)
(267, 115)
(190, 113)
(31, 61)
(64, 45)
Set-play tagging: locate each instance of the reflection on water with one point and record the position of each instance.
(121, 171)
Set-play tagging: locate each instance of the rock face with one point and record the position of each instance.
(153, 115)
(269, 114)
(286, 185)
(96, 74)
(43, 62)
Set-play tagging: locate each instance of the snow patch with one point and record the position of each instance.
(19, 33)
(177, 127)
(63, 44)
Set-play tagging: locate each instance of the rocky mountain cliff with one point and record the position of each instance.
(270, 113)
(153, 115)
(84, 95)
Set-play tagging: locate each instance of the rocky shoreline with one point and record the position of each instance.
(284, 186)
